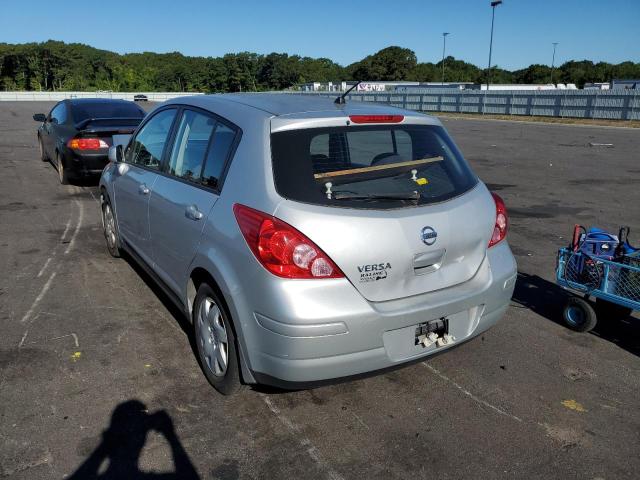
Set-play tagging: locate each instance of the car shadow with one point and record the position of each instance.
(89, 181)
(178, 315)
(118, 454)
(92, 181)
(547, 300)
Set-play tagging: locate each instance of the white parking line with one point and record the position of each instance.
(93, 196)
(55, 250)
(44, 267)
(469, 394)
(66, 230)
(77, 229)
(311, 450)
(39, 298)
(47, 285)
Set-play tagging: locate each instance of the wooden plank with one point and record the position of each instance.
(354, 171)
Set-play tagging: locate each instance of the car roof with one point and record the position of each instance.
(285, 104)
(279, 104)
(243, 109)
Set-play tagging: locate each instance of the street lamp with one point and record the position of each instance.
(444, 46)
(494, 4)
(553, 59)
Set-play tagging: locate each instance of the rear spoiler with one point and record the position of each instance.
(109, 122)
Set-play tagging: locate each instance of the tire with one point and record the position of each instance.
(63, 176)
(212, 326)
(579, 315)
(612, 311)
(110, 228)
(43, 155)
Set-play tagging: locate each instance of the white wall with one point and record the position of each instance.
(57, 96)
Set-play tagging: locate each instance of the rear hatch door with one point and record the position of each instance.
(391, 255)
(394, 204)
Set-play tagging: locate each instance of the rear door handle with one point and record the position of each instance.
(193, 213)
(143, 189)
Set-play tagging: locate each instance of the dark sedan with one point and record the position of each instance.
(77, 133)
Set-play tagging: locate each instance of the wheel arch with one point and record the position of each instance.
(200, 274)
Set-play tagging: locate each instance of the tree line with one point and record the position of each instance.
(55, 65)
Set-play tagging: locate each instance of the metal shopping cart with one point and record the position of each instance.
(601, 266)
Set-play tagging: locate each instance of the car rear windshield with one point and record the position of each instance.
(84, 111)
(377, 167)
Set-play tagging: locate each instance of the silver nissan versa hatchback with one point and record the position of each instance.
(305, 239)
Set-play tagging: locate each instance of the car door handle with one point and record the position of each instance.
(428, 262)
(193, 213)
(143, 189)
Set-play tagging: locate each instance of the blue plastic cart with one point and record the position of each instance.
(615, 286)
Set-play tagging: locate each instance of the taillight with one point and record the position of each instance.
(376, 118)
(502, 221)
(282, 249)
(87, 144)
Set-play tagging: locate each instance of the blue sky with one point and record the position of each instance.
(344, 31)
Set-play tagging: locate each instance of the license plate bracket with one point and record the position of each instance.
(439, 326)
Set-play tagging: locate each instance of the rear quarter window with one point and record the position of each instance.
(383, 166)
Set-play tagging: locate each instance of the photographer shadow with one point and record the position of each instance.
(118, 455)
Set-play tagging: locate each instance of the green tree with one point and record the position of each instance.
(391, 63)
(54, 65)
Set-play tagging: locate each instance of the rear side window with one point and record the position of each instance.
(59, 114)
(218, 154)
(370, 166)
(190, 147)
(85, 110)
(147, 146)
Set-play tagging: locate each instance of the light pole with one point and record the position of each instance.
(494, 4)
(444, 46)
(553, 59)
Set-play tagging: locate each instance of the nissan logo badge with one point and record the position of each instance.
(428, 235)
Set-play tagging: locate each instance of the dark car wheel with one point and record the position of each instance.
(62, 173)
(579, 315)
(109, 227)
(215, 341)
(43, 154)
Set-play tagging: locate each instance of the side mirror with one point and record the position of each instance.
(40, 117)
(115, 154)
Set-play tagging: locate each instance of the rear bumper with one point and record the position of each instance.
(333, 333)
(85, 164)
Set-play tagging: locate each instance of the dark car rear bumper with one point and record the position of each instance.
(86, 164)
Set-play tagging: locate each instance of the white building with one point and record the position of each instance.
(522, 86)
(365, 86)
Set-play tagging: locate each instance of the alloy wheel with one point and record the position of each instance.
(213, 337)
(60, 169)
(109, 226)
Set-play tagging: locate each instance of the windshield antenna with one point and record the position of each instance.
(341, 100)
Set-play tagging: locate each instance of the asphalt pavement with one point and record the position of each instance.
(97, 368)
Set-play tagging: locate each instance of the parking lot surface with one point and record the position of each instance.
(97, 369)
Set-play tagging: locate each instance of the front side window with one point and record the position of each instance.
(190, 146)
(147, 146)
(364, 167)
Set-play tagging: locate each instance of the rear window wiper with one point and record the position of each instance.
(376, 196)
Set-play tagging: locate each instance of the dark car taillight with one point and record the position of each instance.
(87, 144)
(282, 249)
(502, 221)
